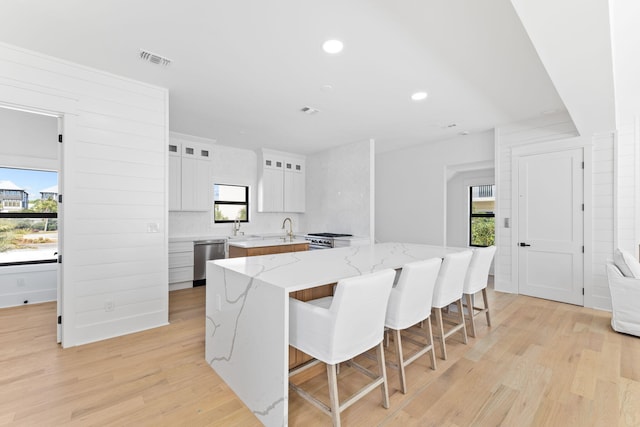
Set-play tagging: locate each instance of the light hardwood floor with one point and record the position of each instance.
(541, 364)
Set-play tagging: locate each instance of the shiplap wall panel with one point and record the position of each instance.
(558, 128)
(113, 152)
(603, 212)
(626, 170)
(117, 284)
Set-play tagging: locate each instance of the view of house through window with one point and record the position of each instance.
(230, 203)
(28, 216)
(482, 222)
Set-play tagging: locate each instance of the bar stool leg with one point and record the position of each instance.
(469, 299)
(333, 394)
(400, 359)
(383, 373)
(486, 305)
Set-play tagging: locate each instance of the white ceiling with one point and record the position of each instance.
(242, 69)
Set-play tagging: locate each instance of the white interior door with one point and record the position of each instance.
(550, 226)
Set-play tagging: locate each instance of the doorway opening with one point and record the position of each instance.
(29, 214)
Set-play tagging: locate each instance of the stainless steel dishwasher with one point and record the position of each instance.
(203, 251)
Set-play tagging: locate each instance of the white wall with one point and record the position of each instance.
(339, 190)
(114, 184)
(229, 165)
(28, 141)
(27, 284)
(411, 187)
(458, 203)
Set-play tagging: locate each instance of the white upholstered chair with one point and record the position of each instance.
(448, 290)
(625, 301)
(476, 281)
(336, 329)
(409, 304)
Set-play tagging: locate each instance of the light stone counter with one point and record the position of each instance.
(259, 243)
(247, 313)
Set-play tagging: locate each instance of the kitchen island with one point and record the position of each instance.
(266, 247)
(247, 313)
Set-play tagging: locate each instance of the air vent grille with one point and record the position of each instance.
(154, 58)
(309, 110)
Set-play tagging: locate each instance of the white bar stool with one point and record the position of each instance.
(448, 290)
(476, 281)
(336, 329)
(409, 304)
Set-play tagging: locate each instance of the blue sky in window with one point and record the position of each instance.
(32, 181)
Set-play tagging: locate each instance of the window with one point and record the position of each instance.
(230, 203)
(482, 222)
(28, 216)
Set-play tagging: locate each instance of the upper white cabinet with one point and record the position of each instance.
(189, 176)
(281, 182)
(294, 185)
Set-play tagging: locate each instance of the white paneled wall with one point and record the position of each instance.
(600, 238)
(626, 186)
(544, 129)
(603, 223)
(114, 183)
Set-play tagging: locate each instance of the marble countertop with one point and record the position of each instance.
(259, 243)
(302, 270)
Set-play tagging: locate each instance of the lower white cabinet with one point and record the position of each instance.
(190, 184)
(180, 265)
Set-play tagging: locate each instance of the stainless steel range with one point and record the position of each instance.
(323, 240)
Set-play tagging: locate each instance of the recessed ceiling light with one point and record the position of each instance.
(326, 88)
(332, 46)
(419, 96)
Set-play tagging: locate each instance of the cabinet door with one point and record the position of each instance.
(175, 183)
(271, 195)
(203, 186)
(294, 186)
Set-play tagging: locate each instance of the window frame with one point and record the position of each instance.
(478, 215)
(225, 202)
(35, 215)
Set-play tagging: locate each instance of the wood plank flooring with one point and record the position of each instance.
(541, 364)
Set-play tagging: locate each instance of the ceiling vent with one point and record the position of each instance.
(309, 110)
(154, 58)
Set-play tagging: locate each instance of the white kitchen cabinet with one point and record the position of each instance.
(180, 265)
(281, 184)
(294, 185)
(190, 183)
(270, 185)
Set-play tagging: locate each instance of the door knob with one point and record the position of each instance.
(523, 244)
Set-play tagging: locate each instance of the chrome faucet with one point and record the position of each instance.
(290, 232)
(236, 226)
